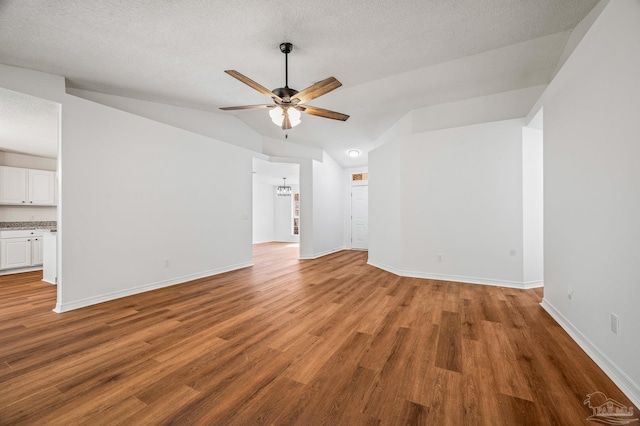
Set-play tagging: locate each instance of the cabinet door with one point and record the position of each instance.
(15, 253)
(42, 185)
(36, 251)
(13, 185)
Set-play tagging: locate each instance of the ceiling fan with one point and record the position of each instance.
(288, 102)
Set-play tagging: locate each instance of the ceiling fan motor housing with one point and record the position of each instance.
(285, 92)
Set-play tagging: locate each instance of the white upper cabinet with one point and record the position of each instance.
(42, 185)
(13, 185)
(27, 186)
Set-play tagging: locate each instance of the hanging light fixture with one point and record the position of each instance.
(284, 190)
(280, 115)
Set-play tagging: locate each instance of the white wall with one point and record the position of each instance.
(462, 199)
(448, 204)
(263, 205)
(592, 200)
(283, 216)
(307, 236)
(35, 83)
(532, 207)
(215, 125)
(137, 192)
(483, 109)
(27, 214)
(328, 206)
(385, 207)
(27, 161)
(322, 207)
(447, 189)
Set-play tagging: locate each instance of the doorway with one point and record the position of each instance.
(30, 129)
(276, 214)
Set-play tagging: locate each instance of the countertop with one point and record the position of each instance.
(50, 226)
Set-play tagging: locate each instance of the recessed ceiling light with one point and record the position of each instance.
(353, 153)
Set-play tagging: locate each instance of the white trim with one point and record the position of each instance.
(624, 382)
(384, 267)
(322, 253)
(461, 279)
(69, 306)
(19, 270)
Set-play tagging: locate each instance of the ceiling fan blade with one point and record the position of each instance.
(247, 107)
(318, 89)
(321, 112)
(246, 80)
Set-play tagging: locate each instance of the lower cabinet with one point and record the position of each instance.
(20, 249)
(36, 251)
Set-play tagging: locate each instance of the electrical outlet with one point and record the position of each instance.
(439, 257)
(615, 324)
(570, 293)
(167, 263)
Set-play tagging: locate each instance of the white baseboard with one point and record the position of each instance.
(624, 382)
(322, 253)
(17, 271)
(82, 303)
(458, 278)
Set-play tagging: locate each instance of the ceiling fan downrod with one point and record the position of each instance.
(286, 48)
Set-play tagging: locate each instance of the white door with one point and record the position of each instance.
(360, 217)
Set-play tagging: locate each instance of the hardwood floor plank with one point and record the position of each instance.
(269, 404)
(22, 410)
(480, 399)
(448, 355)
(324, 341)
(114, 414)
(509, 377)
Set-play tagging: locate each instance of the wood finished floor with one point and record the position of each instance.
(327, 341)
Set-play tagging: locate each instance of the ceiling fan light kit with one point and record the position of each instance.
(288, 102)
(279, 115)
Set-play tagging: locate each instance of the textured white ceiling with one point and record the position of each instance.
(391, 56)
(28, 125)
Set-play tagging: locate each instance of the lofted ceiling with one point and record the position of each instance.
(391, 56)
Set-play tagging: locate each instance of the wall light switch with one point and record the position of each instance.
(615, 324)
